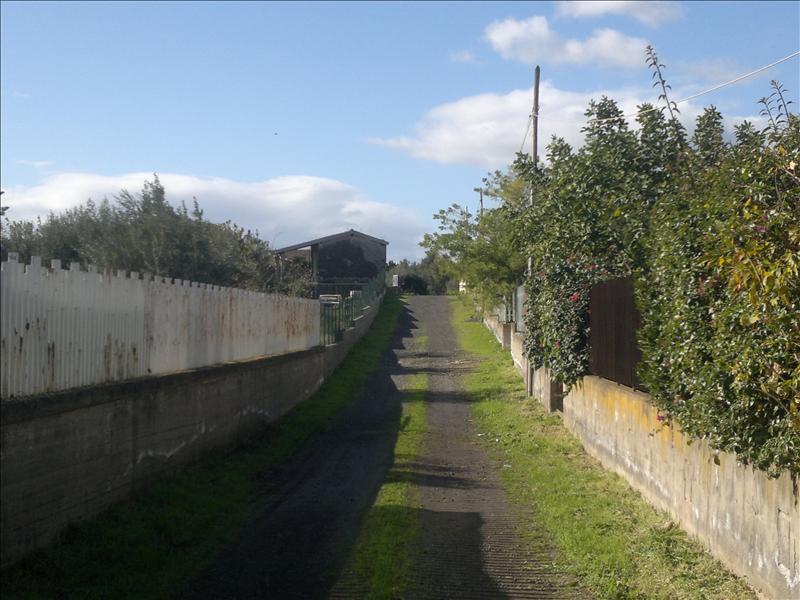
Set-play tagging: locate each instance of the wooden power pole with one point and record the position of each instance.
(480, 191)
(535, 160)
(535, 116)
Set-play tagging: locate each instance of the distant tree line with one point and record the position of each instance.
(427, 276)
(143, 232)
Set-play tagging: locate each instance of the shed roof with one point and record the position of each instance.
(331, 238)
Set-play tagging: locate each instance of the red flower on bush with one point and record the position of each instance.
(558, 344)
(575, 297)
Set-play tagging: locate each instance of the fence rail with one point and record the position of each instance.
(64, 328)
(338, 316)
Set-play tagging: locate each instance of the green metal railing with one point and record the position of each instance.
(337, 313)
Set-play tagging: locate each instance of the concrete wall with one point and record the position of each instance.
(518, 353)
(750, 522)
(550, 393)
(66, 328)
(67, 456)
(541, 386)
(501, 330)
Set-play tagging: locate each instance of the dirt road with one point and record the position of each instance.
(470, 547)
(298, 544)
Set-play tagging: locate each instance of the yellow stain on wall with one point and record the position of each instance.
(746, 519)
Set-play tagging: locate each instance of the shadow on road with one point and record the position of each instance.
(306, 526)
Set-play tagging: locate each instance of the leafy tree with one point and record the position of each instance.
(143, 232)
(428, 276)
(709, 232)
(479, 251)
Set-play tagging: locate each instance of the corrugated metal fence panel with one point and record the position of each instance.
(613, 320)
(65, 328)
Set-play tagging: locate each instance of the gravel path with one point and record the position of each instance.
(298, 544)
(470, 547)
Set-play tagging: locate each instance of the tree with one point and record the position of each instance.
(708, 231)
(143, 232)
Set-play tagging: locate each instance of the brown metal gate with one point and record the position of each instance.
(614, 320)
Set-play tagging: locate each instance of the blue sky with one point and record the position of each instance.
(384, 112)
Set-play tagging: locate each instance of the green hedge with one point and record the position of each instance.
(720, 299)
(710, 232)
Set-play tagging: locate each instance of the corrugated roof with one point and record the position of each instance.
(330, 238)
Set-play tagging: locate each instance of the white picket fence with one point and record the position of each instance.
(65, 328)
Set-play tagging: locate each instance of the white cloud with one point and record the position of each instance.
(36, 164)
(714, 70)
(284, 210)
(18, 94)
(532, 40)
(464, 56)
(487, 129)
(650, 13)
(729, 122)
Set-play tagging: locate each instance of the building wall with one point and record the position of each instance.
(67, 456)
(347, 259)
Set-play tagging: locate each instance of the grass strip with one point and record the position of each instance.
(604, 531)
(383, 558)
(149, 546)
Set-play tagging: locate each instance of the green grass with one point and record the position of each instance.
(384, 557)
(149, 546)
(604, 532)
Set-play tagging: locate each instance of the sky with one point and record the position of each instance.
(304, 119)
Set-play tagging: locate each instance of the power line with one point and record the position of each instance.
(527, 130)
(708, 91)
(738, 79)
(525, 137)
(681, 101)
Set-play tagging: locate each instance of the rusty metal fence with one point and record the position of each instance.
(614, 320)
(65, 328)
(338, 313)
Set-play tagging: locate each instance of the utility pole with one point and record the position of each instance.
(535, 160)
(535, 127)
(480, 191)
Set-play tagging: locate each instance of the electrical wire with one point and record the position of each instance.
(738, 79)
(525, 137)
(704, 92)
